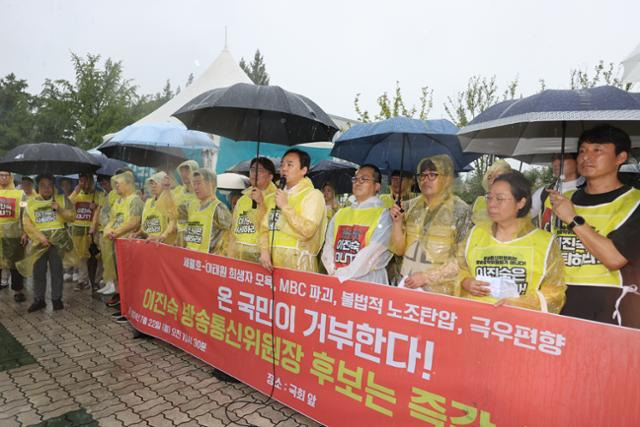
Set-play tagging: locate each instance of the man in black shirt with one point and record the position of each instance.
(600, 233)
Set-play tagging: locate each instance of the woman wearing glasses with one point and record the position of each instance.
(426, 234)
(508, 259)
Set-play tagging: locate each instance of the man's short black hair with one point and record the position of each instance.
(45, 176)
(266, 163)
(64, 178)
(377, 175)
(303, 156)
(606, 134)
(520, 188)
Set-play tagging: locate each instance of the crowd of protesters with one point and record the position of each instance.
(557, 251)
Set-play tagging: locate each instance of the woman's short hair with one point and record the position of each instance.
(520, 189)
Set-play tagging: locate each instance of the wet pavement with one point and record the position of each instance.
(78, 367)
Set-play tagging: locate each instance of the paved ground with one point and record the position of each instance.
(78, 367)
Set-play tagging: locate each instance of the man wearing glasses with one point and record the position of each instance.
(427, 233)
(357, 240)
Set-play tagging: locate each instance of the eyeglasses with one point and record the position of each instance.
(431, 176)
(360, 180)
(497, 199)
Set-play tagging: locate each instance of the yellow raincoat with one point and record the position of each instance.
(126, 210)
(432, 233)
(183, 196)
(12, 202)
(41, 221)
(298, 230)
(479, 209)
(532, 259)
(160, 214)
(84, 205)
(243, 236)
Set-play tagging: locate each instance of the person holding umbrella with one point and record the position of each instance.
(292, 231)
(208, 219)
(400, 185)
(160, 213)
(427, 232)
(44, 222)
(243, 238)
(184, 195)
(12, 237)
(357, 240)
(600, 226)
(84, 199)
(124, 220)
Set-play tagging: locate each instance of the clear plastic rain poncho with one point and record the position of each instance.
(432, 232)
(59, 237)
(552, 286)
(125, 209)
(183, 196)
(159, 217)
(479, 208)
(11, 227)
(370, 262)
(300, 228)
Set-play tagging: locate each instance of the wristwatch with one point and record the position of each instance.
(577, 220)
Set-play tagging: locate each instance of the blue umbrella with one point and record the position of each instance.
(550, 122)
(160, 145)
(400, 143)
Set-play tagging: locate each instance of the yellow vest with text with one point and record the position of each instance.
(581, 267)
(245, 222)
(352, 230)
(82, 205)
(183, 200)
(10, 205)
(42, 214)
(523, 259)
(197, 235)
(153, 222)
(120, 211)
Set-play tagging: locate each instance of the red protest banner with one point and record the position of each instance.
(364, 354)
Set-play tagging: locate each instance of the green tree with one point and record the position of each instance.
(603, 74)
(256, 69)
(81, 112)
(394, 106)
(16, 113)
(145, 104)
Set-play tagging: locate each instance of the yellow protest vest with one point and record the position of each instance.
(120, 211)
(183, 202)
(153, 222)
(43, 216)
(197, 234)
(524, 259)
(245, 222)
(352, 230)
(10, 205)
(581, 267)
(82, 204)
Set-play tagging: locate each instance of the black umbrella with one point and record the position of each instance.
(337, 172)
(48, 158)
(108, 166)
(246, 112)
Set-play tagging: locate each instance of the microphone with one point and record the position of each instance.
(282, 182)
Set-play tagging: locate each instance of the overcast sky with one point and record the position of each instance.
(328, 50)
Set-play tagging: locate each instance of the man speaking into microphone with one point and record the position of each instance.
(292, 232)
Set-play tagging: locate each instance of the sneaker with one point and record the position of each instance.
(37, 305)
(19, 297)
(108, 289)
(121, 319)
(116, 314)
(67, 277)
(81, 286)
(57, 304)
(115, 299)
(75, 277)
